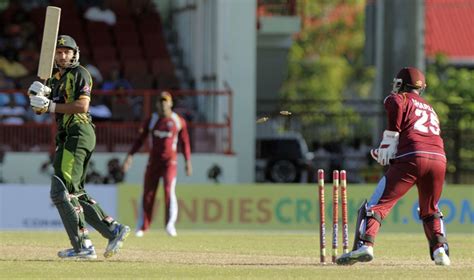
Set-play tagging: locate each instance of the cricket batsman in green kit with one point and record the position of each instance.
(68, 94)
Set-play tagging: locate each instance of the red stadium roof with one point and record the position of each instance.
(450, 29)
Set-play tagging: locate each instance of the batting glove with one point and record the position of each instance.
(38, 88)
(388, 147)
(41, 104)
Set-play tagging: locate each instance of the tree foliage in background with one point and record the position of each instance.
(326, 62)
(326, 67)
(451, 92)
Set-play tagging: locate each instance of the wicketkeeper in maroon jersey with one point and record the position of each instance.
(165, 129)
(414, 150)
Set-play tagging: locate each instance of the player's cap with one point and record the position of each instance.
(66, 41)
(166, 96)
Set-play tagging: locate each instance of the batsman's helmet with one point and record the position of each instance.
(409, 78)
(66, 41)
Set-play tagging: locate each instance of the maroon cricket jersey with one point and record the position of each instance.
(164, 135)
(417, 122)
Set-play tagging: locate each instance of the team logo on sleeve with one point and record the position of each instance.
(86, 89)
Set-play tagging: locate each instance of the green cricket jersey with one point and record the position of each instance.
(74, 84)
(75, 139)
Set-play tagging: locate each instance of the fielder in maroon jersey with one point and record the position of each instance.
(414, 150)
(165, 129)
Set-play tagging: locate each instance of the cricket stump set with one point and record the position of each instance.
(339, 180)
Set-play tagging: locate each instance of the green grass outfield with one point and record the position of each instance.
(229, 255)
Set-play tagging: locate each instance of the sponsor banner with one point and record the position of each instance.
(30, 207)
(288, 207)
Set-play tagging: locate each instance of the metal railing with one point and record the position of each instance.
(208, 114)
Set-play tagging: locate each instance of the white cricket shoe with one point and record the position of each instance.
(121, 232)
(85, 253)
(139, 233)
(363, 254)
(171, 230)
(440, 257)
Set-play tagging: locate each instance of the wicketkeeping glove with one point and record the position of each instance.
(388, 147)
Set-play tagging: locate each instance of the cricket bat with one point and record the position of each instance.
(48, 45)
